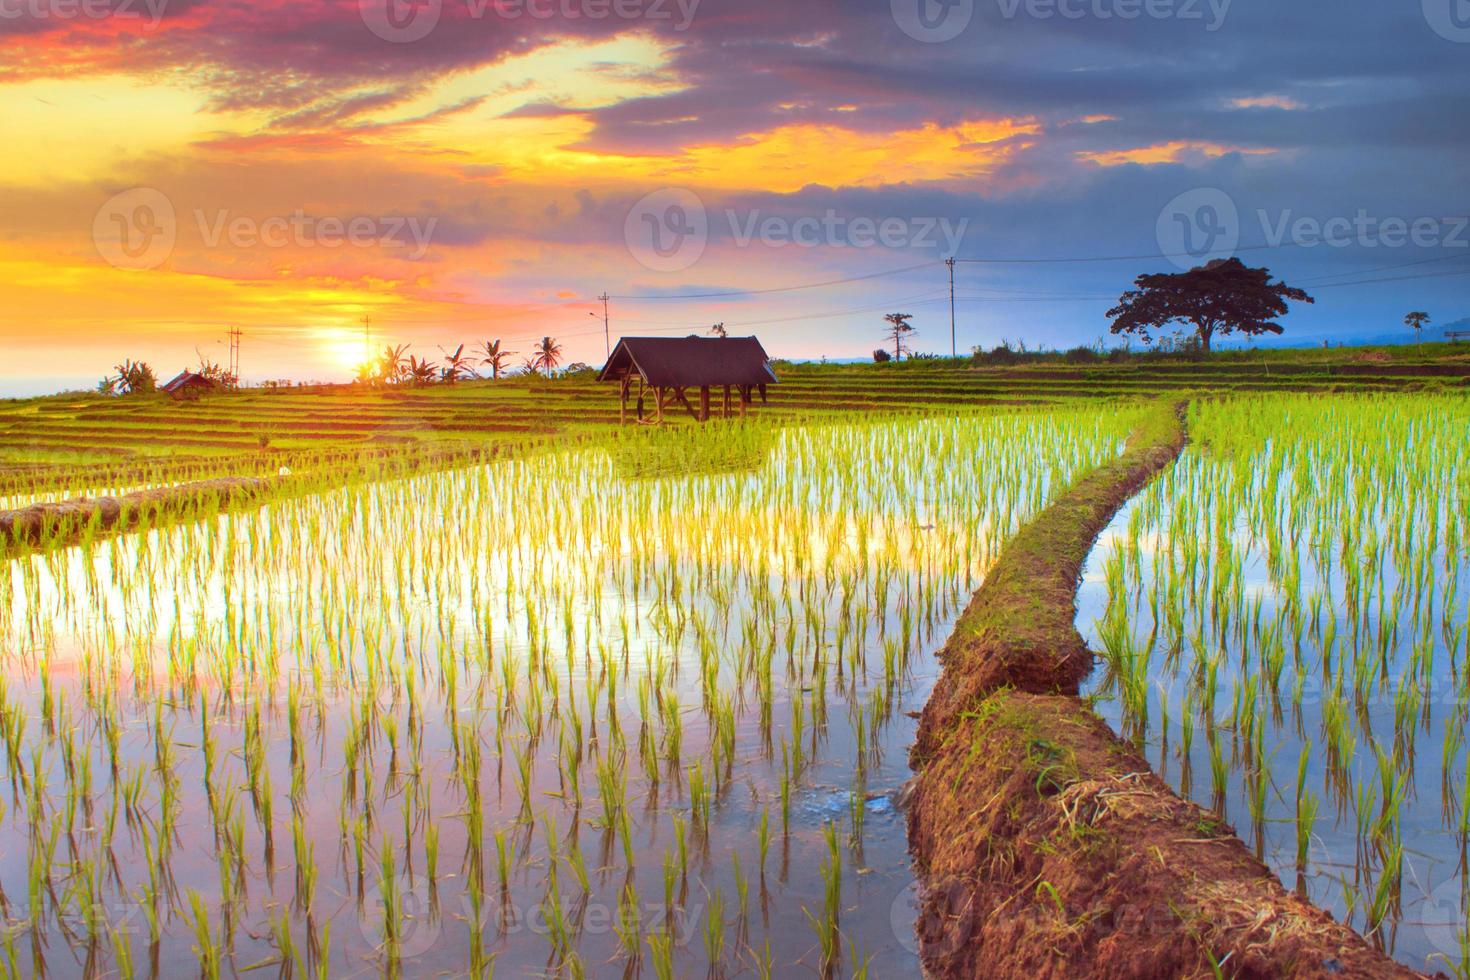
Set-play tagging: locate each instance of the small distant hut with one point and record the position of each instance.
(674, 366)
(188, 386)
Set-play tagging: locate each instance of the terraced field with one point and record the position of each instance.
(84, 444)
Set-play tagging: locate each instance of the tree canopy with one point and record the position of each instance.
(1222, 297)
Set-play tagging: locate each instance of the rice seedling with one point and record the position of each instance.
(714, 929)
(826, 925)
(628, 925)
(661, 955)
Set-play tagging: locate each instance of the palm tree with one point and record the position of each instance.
(1415, 322)
(496, 356)
(899, 328)
(421, 372)
(391, 364)
(456, 366)
(547, 355)
(133, 378)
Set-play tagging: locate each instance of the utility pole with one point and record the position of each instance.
(367, 338)
(954, 350)
(235, 335)
(606, 323)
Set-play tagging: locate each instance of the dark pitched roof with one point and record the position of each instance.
(188, 379)
(690, 362)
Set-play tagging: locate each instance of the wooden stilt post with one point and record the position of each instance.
(704, 403)
(623, 401)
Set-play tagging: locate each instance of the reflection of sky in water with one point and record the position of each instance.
(522, 607)
(1433, 910)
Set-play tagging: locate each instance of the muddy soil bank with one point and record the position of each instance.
(1045, 844)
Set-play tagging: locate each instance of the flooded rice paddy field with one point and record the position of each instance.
(1281, 624)
(582, 713)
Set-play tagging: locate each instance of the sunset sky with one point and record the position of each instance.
(458, 170)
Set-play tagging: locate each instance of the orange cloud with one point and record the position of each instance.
(1265, 102)
(781, 160)
(1171, 152)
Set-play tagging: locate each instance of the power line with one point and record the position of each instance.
(1118, 258)
(895, 301)
(1365, 282)
(1385, 268)
(781, 289)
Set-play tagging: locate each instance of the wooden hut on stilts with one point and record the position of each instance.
(671, 368)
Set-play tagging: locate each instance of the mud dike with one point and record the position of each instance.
(1045, 845)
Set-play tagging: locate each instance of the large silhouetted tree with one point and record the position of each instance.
(898, 332)
(1223, 297)
(1415, 322)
